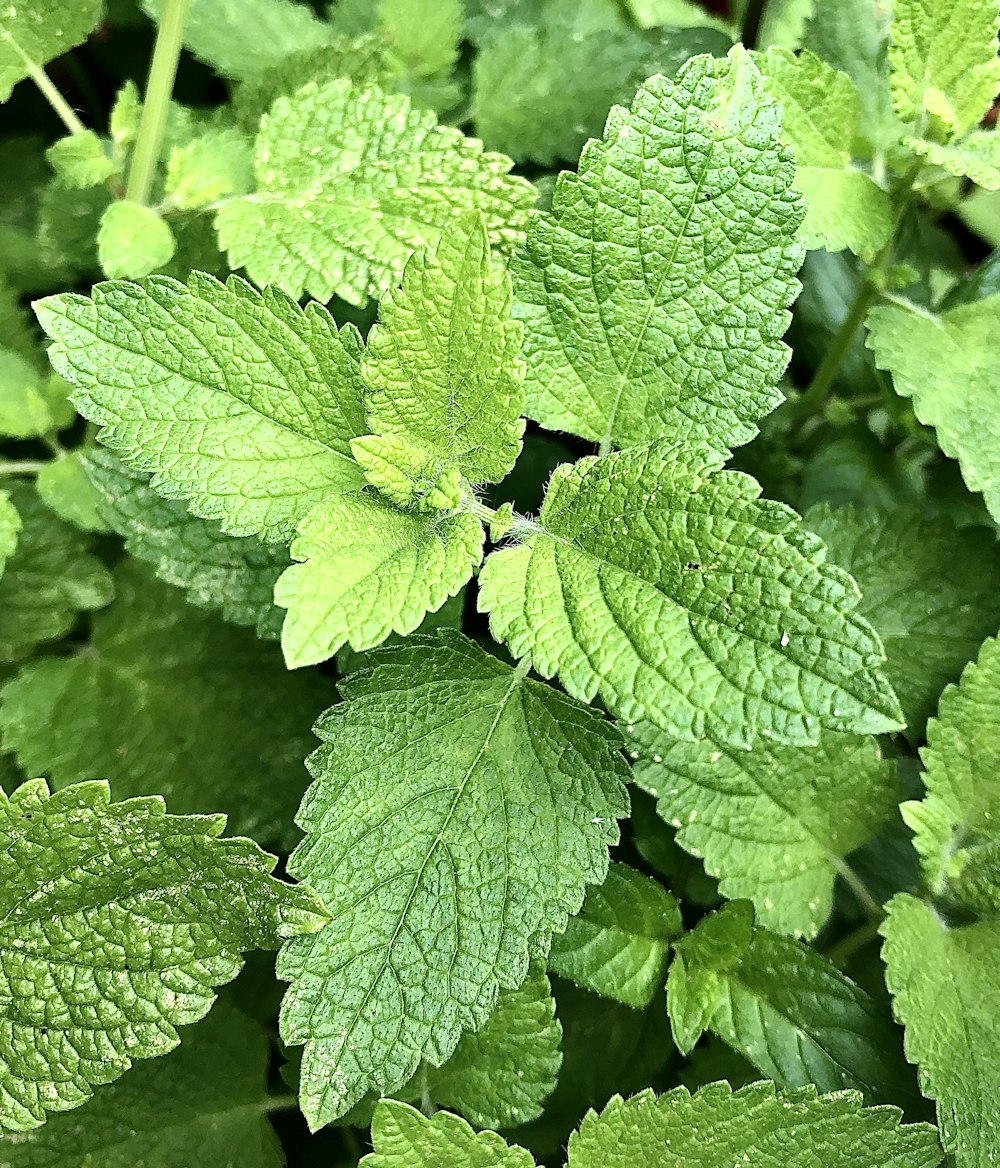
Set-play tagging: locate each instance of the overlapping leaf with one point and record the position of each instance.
(39, 31)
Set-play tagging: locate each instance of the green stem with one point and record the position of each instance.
(45, 85)
(156, 104)
(280, 1103)
(872, 908)
(481, 511)
(833, 358)
(846, 947)
(26, 467)
(752, 18)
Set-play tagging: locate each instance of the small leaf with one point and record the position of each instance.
(215, 165)
(10, 526)
(403, 1138)
(64, 487)
(977, 156)
(80, 159)
(24, 412)
(133, 241)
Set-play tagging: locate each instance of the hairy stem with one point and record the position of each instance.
(27, 467)
(52, 95)
(159, 88)
(752, 17)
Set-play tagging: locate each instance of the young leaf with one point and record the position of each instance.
(758, 1125)
(928, 589)
(36, 32)
(168, 700)
(773, 823)
(351, 181)
(442, 367)
(119, 921)
(370, 570)
(945, 987)
(49, 579)
(10, 526)
(617, 944)
(672, 591)
(235, 576)
(949, 365)
(457, 813)
(943, 62)
(216, 165)
(133, 241)
(655, 293)
(781, 1005)
(821, 118)
(24, 412)
(403, 1138)
(208, 1095)
(80, 159)
(64, 487)
(977, 157)
(238, 401)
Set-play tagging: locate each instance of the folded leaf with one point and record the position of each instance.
(119, 921)
(457, 813)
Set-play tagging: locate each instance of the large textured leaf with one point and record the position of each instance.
(672, 591)
(442, 367)
(118, 921)
(655, 293)
(458, 811)
(238, 401)
(403, 1138)
(929, 590)
(773, 823)
(351, 181)
(234, 575)
(204, 1105)
(758, 1126)
(949, 365)
(370, 570)
(41, 30)
(168, 700)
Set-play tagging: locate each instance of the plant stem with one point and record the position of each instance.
(26, 467)
(48, 90)
(846, 947)
(872, 909)
(279, 1103)
(834, 356)
(752, 17)
(159, 88)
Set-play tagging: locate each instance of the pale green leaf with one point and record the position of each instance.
(370, 570)
(617, 944)
(133, 241)
(821, 117)
(943, 65)
(10, 526)
(457, 813)
(24, 412)
(80, 159)
(204, 1105)
(242, 38)
(670, 589)
(119, 921)
(784, 22)
(40, 30)
(949, 364)
(168, 700)
(238, 401)
(655, 293)
(424, 34)
(233, 575)
(757, 1126)
(945, 984)
(774, 823)
(125, 116)
(215, 165)
(64, 487)
(407, 475)
(682, 13)
(350, 182)
(784, 1007)
(929, 590)
(442, 367)
(48, 580)
(403, 1138)
(976, 156)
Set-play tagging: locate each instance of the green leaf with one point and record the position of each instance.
(949, 365)
(943, 62)
(216, 165)
(80, 159)
(215, 389)
(168, 700)
(617, 944)
(425, 35)
(784, 1007)
(350, 182)
(672, 591)
(242, 38)
(24, 412)
(758, 1125)
(821, 117)
(10, 526)
(945, 988)
(40, 30)
(133, 241)
(64, 487)
(500, 1075)
(370, 570)
(235, 576)
(49, 579)
(977, 157)
(928, 589)
(655, 293)
(407, 475)
(118, 922)
(457, 813)
(773, 823)
(403, 1138)
(209, 1095)
(442, 367)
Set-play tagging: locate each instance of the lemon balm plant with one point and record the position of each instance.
(597, 402)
